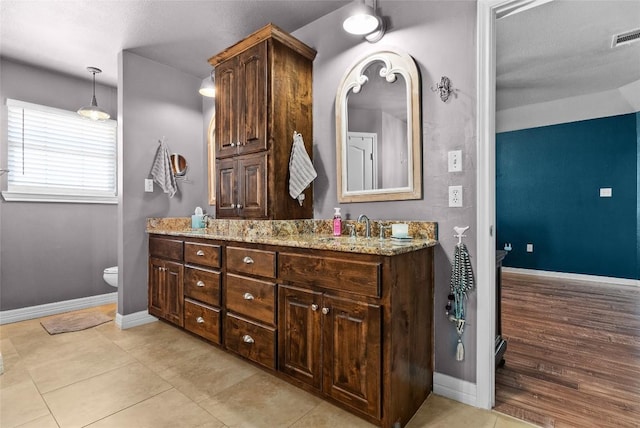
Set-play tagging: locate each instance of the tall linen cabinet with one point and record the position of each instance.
(263, 94)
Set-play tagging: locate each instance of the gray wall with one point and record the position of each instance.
(154, 100)
(51, 252)
(441, 37)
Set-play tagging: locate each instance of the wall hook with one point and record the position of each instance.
(460, 233)
(444, 87)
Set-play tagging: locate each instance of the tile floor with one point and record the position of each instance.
(158, 376)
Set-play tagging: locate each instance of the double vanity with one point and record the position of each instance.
(348, 319)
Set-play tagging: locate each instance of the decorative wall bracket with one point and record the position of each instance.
(444, 87)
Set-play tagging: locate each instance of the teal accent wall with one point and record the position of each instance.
(547, 193)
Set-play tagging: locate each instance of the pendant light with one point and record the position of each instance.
(364, 21)
(92, 111)
(208, 87)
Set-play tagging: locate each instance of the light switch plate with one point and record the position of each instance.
(148, 185)
(529, 248)
(605, 192)
(455, 160)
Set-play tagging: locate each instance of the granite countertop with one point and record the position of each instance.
(300, 234)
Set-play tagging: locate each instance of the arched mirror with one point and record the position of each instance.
(378, 136)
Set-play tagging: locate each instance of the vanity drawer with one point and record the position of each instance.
(202, 254)
(251, 340)
(202, 285)
(202, 320)
(165, 248)
(251, 297)
(252, 262)
(360, 277)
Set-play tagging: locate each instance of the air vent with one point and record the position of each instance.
(626, 38)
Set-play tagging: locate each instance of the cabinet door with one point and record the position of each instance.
(227, 107)
(299, 340)
(352, 353)
(156, 280)
(227, 182)
(252, 185)
(252, 88)
(174, 292)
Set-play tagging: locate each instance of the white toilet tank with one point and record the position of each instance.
(110, 276)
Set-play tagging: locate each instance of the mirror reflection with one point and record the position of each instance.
(178, 165)
(378, 130)
(377, 154)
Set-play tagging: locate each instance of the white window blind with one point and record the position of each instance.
(55, 155)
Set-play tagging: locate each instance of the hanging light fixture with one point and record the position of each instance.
(364, 21)
(92, 111)
(208, 87)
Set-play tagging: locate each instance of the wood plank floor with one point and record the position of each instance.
(573, 355)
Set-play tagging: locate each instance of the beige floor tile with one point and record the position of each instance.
(437, 412)
(21, 403)
(7, 348)
(170, 409)
(90, 400)
(505, 421)
(326, 415)
(76, 361)
(43, 422)
(142, 335)
(260, 401)
(14, 372)
(22, 328)
(208, 373)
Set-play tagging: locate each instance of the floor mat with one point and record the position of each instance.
(74, 322)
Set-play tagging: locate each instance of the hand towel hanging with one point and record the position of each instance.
(161, 171)
(301, 170)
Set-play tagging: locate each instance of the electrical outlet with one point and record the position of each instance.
(529, 248)
(148, 185)
(455, 196)
(455, 161)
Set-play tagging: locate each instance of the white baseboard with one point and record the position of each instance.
(574, 276)
(454, 388)
(135, 319)
(31, 312)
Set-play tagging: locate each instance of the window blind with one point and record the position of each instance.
(56, 155)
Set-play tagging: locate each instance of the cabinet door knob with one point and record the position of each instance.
(314, 307)
(239, 143)
(247, 296)
(233, 144)
(200, 284)
(247, 339)
(248, 260)
(325, 311)
(200, 253)
(239, 206)
(200, 320)
(233, 206)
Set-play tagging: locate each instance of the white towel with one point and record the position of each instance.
(161, 171)
(301, 170)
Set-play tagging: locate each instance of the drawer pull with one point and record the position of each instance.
(239, 206)
(200, 320)
(200, 253)
(248, 296)
(325, 311)
(314, 307)
(248, 260)
(247, 339)
(232, 206)
(232, 144)
(200, 284)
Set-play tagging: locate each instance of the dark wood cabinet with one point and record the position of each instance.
(165, 290)
(263, 94)
(333, 344)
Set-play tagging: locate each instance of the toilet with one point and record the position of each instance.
(110, 276)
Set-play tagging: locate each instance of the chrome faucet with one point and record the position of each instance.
(367, 225)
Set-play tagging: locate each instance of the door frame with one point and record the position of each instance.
(487, 10)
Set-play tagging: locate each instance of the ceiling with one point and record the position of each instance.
(69, 35)
(557, 50)
(563, 49)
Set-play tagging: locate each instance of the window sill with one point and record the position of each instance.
(71, 199)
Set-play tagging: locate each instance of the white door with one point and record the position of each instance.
(362, 161)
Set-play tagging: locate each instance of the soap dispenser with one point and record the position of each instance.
(337, 222)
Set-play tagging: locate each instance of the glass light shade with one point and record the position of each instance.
(362, 21)
(93, 112)
(207, 88)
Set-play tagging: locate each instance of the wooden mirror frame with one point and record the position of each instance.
(395, 62)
